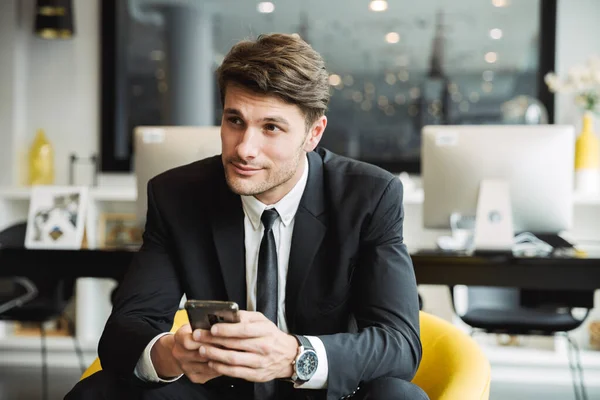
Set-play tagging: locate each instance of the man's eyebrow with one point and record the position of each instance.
(274, 119)
(233, 111)
(277, 120)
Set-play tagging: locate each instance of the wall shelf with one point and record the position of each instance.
(101, 193)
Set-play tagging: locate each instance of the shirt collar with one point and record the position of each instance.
(286, 207)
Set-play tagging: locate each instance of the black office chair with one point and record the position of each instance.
(36, 300)
(516, 311)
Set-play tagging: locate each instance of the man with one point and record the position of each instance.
(310, 243)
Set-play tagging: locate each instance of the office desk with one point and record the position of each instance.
(64, 263)
(433, 269)
(549, 273)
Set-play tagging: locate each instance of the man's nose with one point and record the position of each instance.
(249, 145)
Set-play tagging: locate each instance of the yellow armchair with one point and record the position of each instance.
(453, 366)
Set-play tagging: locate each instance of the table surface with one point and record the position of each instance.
(431, 267)
(551, 273)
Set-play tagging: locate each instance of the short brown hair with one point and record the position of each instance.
(282, 65)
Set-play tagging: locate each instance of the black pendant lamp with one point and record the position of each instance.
(54, 19)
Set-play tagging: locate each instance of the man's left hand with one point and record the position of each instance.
(254, 349)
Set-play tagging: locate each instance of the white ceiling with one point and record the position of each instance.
(351, 37)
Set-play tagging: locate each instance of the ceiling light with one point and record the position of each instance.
(390, 78)
(392, 37)
(491, 57)
(500, 3)
(335, 80)
(378, 5)
(496, 33)
(266, 7)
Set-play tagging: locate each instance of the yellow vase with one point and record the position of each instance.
(587, 158)
(41, 161)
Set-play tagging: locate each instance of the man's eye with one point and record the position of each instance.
(272, 128)
(235, 120)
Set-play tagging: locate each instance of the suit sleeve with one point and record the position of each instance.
(145, 302)
(384, 303)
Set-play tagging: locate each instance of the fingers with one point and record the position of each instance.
(251, 316)
(234, 371)
(199, 372)
(232, 357)
(245, 329)
(183, 338)
(252, 345)
(191, 340)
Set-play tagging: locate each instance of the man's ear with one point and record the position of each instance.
(315, 134)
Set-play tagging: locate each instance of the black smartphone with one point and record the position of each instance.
(205, 313)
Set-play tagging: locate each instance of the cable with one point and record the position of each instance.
(44, 363)
(572, 368)
(579, 367)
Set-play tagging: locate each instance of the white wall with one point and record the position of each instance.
(55, 86)
(577, 38)
(7, 93)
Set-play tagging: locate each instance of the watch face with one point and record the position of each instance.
(307, 365)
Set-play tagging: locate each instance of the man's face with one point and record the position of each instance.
(264, 140)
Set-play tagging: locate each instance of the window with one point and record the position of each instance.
(392, 71)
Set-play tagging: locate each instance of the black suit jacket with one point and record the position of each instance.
(350, 278)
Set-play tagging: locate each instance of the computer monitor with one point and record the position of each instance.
(160, 148)
(525, 173)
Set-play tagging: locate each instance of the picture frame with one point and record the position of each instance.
(56, 217)
(119, 231)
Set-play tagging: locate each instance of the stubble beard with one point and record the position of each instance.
(246, 187)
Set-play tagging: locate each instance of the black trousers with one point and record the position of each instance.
(104, 386)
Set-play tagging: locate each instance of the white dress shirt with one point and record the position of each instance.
(253, 230)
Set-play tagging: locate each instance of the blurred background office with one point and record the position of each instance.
(89, 76)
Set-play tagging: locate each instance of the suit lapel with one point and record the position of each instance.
(228, 231)
(309, 231)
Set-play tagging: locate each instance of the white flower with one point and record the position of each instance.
(578, 77)
(553, 82)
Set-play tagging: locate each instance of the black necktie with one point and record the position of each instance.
(266, 289)
(266, 283)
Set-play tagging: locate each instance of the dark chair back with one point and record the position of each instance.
(53, 293)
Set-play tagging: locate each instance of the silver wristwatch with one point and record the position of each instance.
(306, 362)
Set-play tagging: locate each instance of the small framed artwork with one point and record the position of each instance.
(56, 218)
(119, 231)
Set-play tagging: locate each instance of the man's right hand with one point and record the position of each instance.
(173, 355)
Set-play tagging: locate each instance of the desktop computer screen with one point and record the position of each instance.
(535, 162)
(160, 148)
